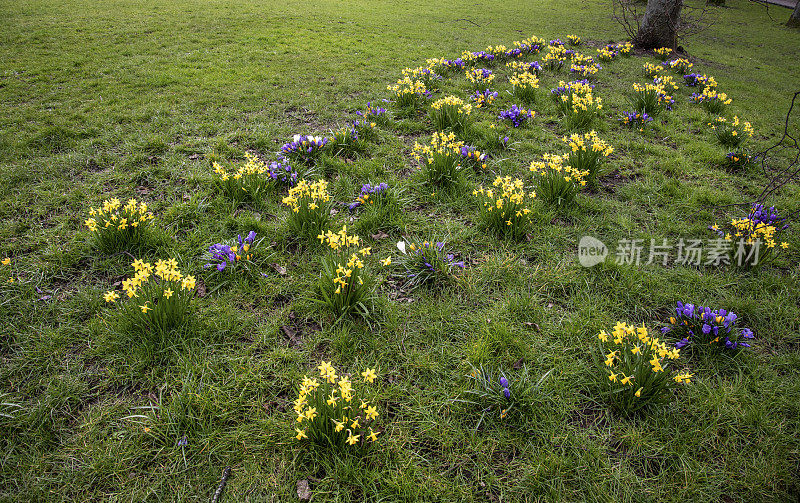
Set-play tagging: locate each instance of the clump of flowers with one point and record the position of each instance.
(696, 79)
(445, 66)
(635, 119)
(574, 40)
(624, 48)
(505, 208)
(576, 101)
(450, 113)
(474, 156)
(731, 133)
(480, 78)
(424, 74)
(712, 101)
(667, 81)
(651, 98)
(680, 65)
(409, 93)
(333, 411)
(663, 53)
(524, 86)
(370, 195)
(500, 52)
(503, 396)
(738, 159)
(222, 256)
(483, 98)
(703, 327)
(304, 148)
(607, 53)
(555, 58)
(474, 58)
(374, 114)
(750, 241)
(587, 152)
(114, 226)
(441, 160)
(349, 139)
(159, 298)
(652, 70)
(518, 116)
(427, 263)
(254, 178)
(310, 208)
(531, 45)
(585, 70)
(634, 368)
(525, 67)
(557, 183)
(556, 43)
(344, 287)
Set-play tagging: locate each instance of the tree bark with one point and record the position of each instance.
(794, 19)
(660, 23)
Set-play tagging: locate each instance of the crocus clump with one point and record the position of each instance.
(703, 326)
(369, 194)
(518, 116)
(304, 148)
(222, 255)
(483, 98)
(635, 119)
(697, 79)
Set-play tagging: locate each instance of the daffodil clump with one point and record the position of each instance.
(731, 133)
(680, 65)
(344, 286)
(607, 53)
(334, 411)
(651, 98)
(574, 40)
(525, 67)
(423, 74)
(712, 101)
(500, 52)
(652, 70)
(480, 78)
(440, 161)
(634, 368)
(444, 66)
(753, 240)
(668, 81)
(663, 53)
(703, 327)
(506, 207)
(115, 226)
(557, 183)
(158, 298)
(585, 71)
(309, 203)
(697, 79)
(587, 152)
(450, 113)
(409, 93)
(426, 263)
(576, 101)
(524, 86)
(253, 179)
(555, 58)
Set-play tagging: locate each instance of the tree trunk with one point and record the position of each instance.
(659, 27)
(794, 19)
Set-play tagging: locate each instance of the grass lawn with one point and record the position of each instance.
(137, 99)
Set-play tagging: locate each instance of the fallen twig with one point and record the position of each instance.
(225, 474)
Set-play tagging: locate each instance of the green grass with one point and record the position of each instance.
(105, 99)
